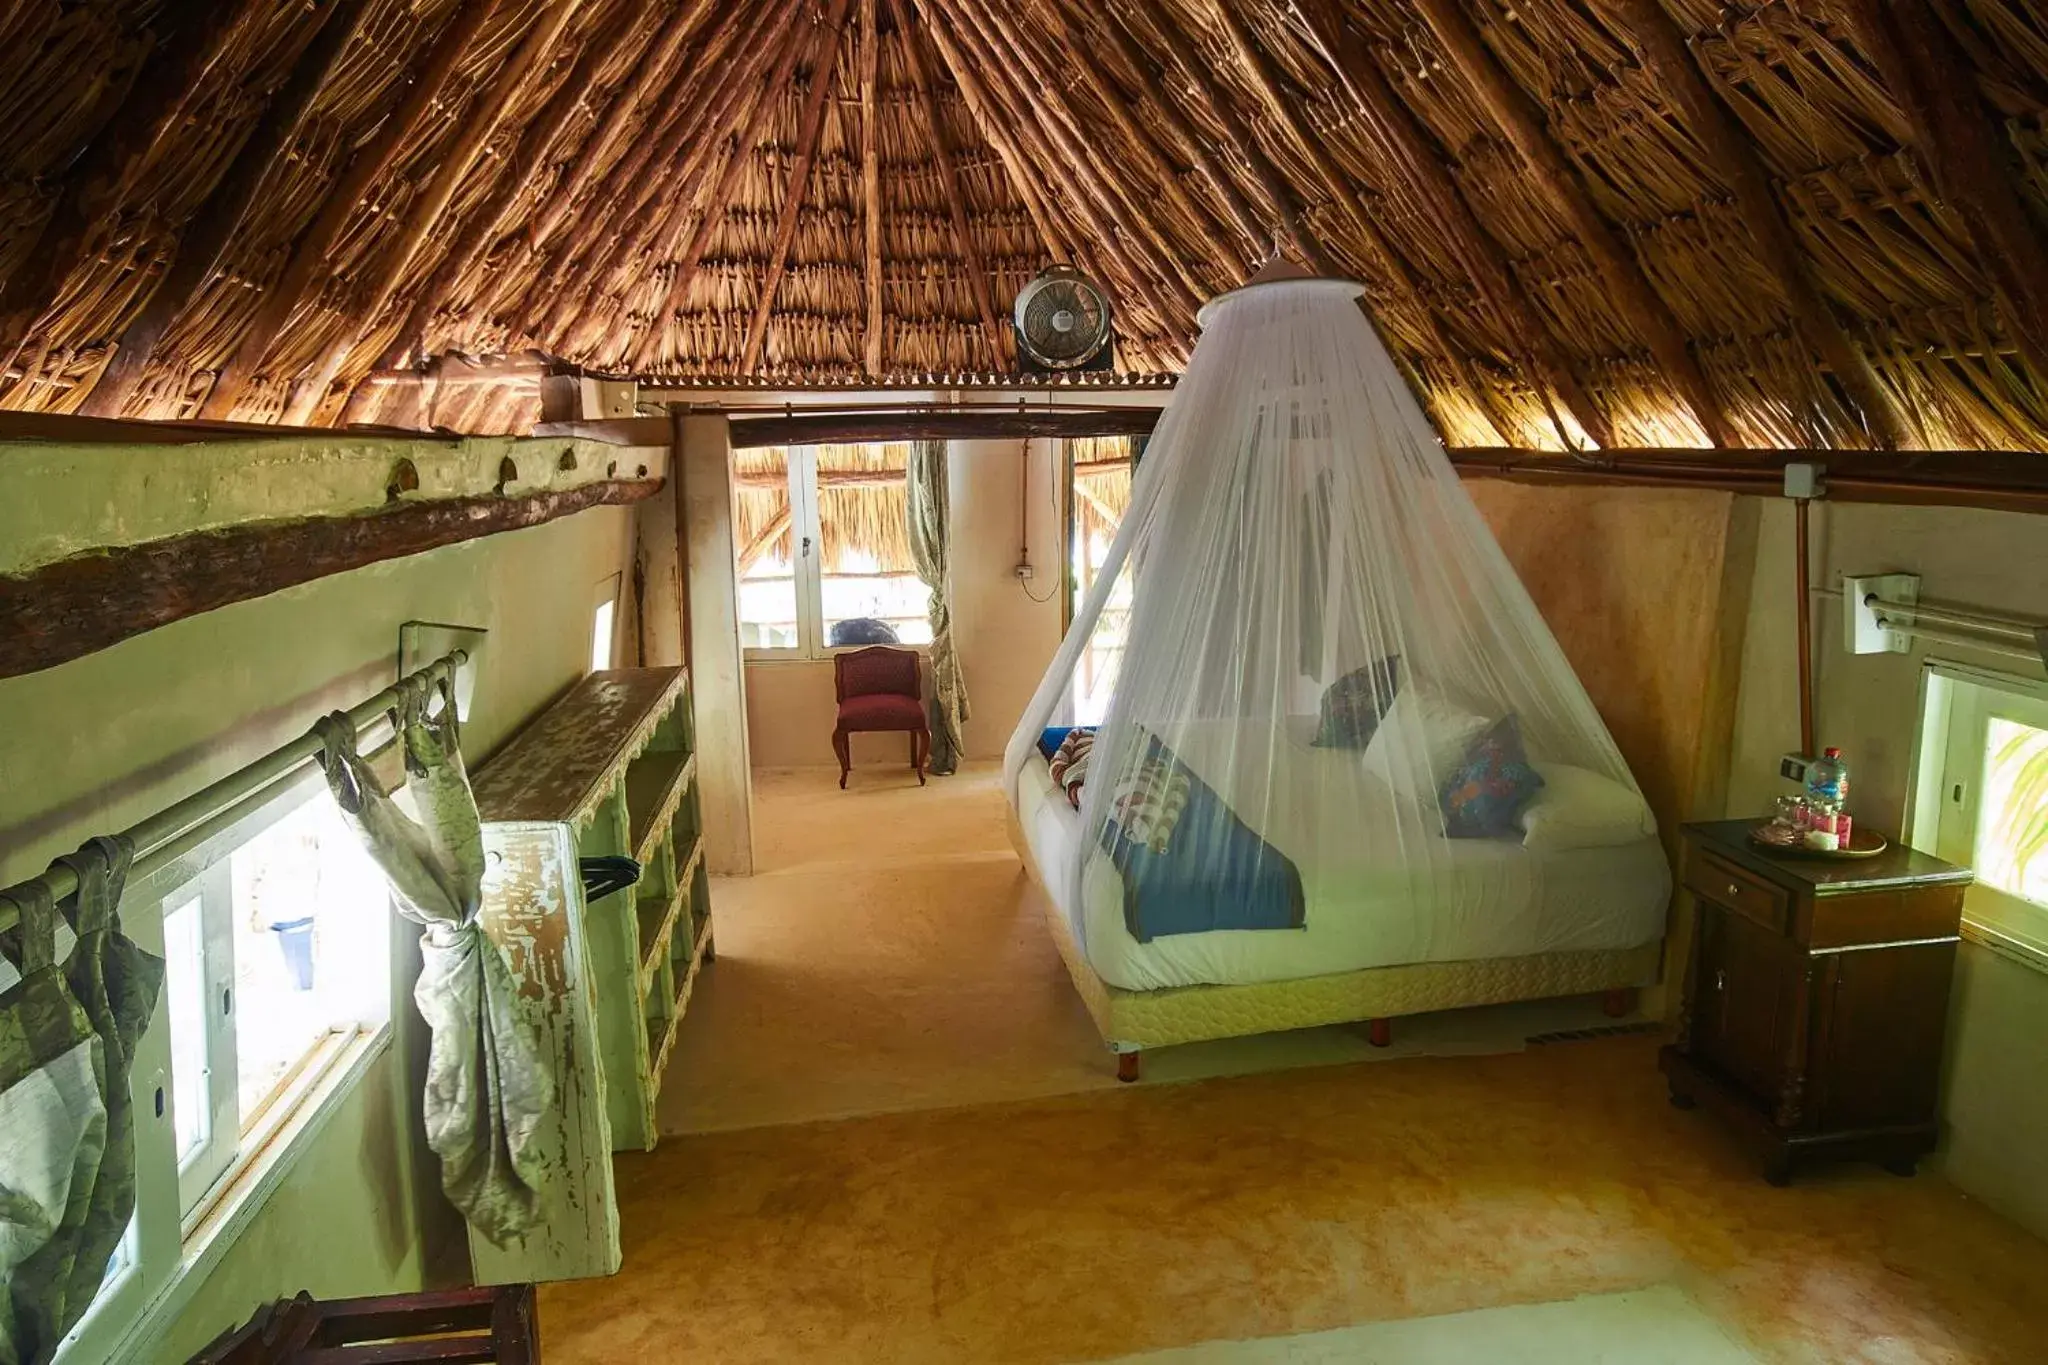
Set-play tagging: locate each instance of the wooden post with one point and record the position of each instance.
(1628, 287)
(871, 187)
(796, 184)
(1672, 67)
(949, 180)
(309, 255)
(92, 182)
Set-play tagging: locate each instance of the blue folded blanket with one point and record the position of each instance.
(1189, 865)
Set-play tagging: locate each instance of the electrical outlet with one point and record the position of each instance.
(1023, 571)
(1792, 767)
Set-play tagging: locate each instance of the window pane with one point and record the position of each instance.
(2012, 823)
(601, 635)
(869, 588)
(185, 994)
(767, 550)
(1102, 493)
(310, 920)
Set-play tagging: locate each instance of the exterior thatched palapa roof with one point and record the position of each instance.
(1639, 223)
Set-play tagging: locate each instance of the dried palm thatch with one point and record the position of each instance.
(1789, 223)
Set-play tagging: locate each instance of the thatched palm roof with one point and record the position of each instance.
(1651, 222)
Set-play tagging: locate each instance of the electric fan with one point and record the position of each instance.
(1062, 320)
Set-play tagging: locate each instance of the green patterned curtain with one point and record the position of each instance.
(931, 544)
(67, 1041)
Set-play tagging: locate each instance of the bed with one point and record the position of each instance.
(1498, 922)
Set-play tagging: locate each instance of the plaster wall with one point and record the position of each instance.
(98, 743)
(1995, 1098)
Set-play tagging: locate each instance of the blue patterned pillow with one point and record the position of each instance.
(1489, 787)
(1354, 704)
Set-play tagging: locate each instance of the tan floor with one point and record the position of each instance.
(1092, 1226)
(891, 955)
(1089, 1226)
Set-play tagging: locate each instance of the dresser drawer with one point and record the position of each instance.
(1743, 892)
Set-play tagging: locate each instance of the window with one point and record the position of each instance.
(824, 551)
(603, 624)
(275, 936)
(1099, 471)
(1982, 797)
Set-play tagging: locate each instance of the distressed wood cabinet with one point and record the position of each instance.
(609, 769)
(1816, 997)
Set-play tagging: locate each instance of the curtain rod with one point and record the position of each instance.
(176, 829)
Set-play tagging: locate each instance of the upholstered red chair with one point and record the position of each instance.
(878, 689)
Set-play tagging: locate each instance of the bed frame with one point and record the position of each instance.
(1131, 1021)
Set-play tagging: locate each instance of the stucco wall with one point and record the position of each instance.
(1995, 1097)
(100, 742)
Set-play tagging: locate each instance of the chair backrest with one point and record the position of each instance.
(877, 670)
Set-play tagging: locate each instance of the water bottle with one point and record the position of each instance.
(1827, 779)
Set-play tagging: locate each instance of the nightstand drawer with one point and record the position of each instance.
(1743, 892)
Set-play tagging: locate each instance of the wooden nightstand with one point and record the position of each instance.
(1816, 996)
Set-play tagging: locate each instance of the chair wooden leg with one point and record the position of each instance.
(844, 748)
(920, 752)
(1128, 1065)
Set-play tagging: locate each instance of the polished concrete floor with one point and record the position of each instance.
(1393, 1204)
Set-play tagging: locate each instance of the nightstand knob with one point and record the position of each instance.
(1720, 981)
(1734, 890)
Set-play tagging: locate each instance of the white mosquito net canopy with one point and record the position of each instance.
(1329, 672)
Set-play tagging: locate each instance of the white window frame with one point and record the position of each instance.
(604, 624)
(805, 535)
(186, 1221)
(1957, 703)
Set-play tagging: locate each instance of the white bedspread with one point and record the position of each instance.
(1368, 907)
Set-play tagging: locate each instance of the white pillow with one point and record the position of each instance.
(1579, 808)
(1423, 736)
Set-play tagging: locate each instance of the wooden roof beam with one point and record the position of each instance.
(1074, 44)
(1286, 208)
(797, 184)
(749, 120)
(309, 254)
(521, 170)
(1413, 157)
(1964, 149)
(1256, 230)
(423, 213)
(949, 180)
(1672, 67)
(980, 49)
(655, 63)
(92, 182)
(1628, 287)
(655, 185)
(196, 252)
(1102, 176)
(871, 336)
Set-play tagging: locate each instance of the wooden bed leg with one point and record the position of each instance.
(1380, 1032)
(1619, 1003)
(1127, 1066)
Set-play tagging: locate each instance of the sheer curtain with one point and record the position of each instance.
(928, 509)
(489, 1083)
